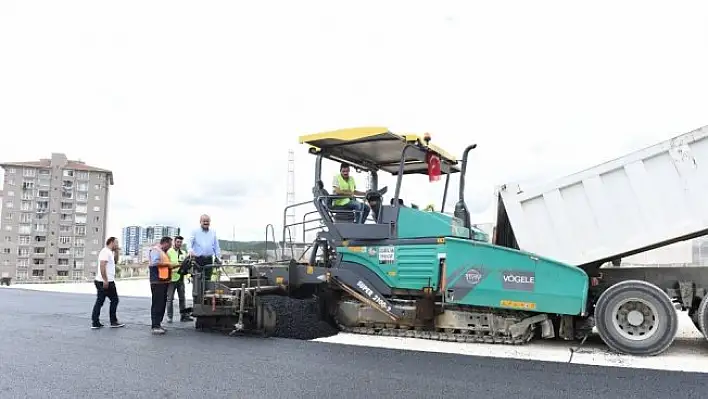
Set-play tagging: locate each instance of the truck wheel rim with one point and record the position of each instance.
(635, 319)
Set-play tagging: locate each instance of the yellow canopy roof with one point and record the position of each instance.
(377, 146)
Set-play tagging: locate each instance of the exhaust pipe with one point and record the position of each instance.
(461, 211)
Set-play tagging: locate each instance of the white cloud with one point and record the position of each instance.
(169, 94)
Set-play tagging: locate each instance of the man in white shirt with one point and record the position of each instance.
(106, 285)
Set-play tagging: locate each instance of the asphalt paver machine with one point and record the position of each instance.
(419, 273)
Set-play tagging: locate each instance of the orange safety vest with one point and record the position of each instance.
(163, 272)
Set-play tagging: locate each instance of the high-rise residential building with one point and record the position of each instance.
(131, 241)
(135, 238)
(54, 215)
(152, 234)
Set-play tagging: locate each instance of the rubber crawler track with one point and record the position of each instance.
(472, 336)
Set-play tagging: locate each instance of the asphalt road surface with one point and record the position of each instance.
(47, 350)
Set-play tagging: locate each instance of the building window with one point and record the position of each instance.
(37, 272)
(83, 175)
(6, 251)
(25, 217)
(23, 252)
(8, 239)
(43, 193)
(62, 273)
(24, 240)
(79, 252)
(67, 194)
(67, 206)
(29, 172)
(40, 227)
(44, 172)
(78, 264)
(64, 251)
(8, 216)
(26, 206)
(37, 261)
(10, 170)
(64, 240)
(10, 193)
(80, 219)
(97, 198)
(81, 196)
(39, 250)
(79, 242)
(22, 262)
(68, 173)
(24, 229)
(9, 204)
(63, 262)
(80, 230)
(64, 229)
(82, 187)
(96, 208)
(77, 274)
(81, 208)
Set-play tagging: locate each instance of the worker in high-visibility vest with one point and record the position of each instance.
(177, 256)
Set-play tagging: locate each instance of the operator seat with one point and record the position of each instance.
(339, 214)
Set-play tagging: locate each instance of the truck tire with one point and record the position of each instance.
(700, 318)
(637, 318)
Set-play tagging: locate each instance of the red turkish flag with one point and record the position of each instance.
(433, 162)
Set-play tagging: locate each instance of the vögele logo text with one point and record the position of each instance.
(514, 278)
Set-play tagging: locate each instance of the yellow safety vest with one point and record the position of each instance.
(344, 185)
(176, 258)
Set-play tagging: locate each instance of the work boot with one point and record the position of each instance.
(116, 324)
(96, 325)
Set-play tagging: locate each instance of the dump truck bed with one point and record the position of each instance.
(644, 200)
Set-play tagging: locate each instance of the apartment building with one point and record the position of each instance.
(54, 218)
(136, 237)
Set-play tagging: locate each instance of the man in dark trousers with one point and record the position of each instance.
(204, 246)
(160, 276)
(106, 284)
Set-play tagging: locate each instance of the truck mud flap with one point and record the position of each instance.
(363, 290)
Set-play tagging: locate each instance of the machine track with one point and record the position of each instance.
(439, 335)
(465, 334)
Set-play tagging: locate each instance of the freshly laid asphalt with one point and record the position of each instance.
(47, 350)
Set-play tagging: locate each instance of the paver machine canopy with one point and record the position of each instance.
(374, 150)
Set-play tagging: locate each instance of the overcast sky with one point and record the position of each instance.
(194, 105)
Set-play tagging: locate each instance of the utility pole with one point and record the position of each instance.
(290, 198)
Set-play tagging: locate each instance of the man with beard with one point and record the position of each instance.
(177, 256)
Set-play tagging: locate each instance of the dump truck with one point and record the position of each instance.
(408, 272)
(648, 199)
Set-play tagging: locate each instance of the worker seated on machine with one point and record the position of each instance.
(344, 184)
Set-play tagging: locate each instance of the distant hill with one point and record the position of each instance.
(229, 245)
(257, 247)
